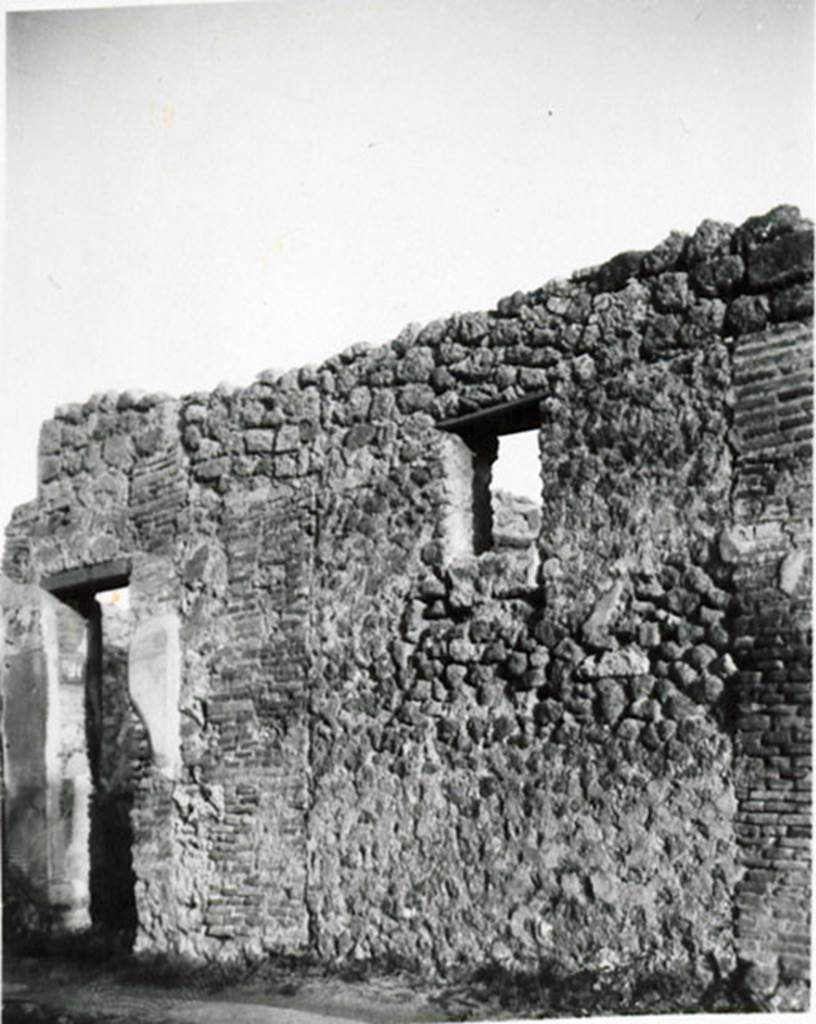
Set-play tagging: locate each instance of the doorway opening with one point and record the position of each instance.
(100, 595)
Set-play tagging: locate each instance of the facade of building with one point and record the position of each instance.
(278, 675)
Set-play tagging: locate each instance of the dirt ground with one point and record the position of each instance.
(49, 991)
(81, 989)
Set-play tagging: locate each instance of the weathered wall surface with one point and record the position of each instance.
(25, 733)
(554, 766)
(770, 550)
(47, 784)
(592, 749)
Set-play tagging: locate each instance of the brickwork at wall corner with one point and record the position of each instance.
(584, 743)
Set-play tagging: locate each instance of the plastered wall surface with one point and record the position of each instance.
(47, 788)
(588, 743)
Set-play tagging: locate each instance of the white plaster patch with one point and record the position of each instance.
(458, 462)
(154, 680)
(790, 570)
(604, 611)
(735, 543)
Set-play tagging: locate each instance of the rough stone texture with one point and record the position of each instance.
(416, 727)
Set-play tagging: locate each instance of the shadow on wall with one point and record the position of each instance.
(111, 729)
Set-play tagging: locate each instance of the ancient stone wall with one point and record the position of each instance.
(404, 735)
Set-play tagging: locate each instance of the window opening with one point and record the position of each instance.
(517, 469)
(515, 490)
(494, 478)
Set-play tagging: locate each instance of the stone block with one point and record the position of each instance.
(50, 438)
(212, 469)
(671, 292)
(117, 450)
(49, 468)
(711, 239)
(720, 276)
(360, 434)
(259, 441)
(627, 661)
(612, 700)
(615, 273)
(747, 314)
(288, 438)
(788, 257)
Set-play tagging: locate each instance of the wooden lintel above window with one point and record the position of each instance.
(510, 418)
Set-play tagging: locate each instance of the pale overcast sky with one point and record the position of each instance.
(196, 193)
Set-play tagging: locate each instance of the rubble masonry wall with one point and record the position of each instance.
(593, 749)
